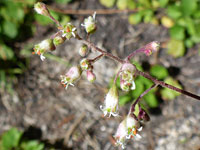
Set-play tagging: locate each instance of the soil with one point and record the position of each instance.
(72, 119)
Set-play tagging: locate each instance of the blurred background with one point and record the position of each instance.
(37, 113)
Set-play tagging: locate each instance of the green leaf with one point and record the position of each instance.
(137, 64)
(177, 32)
(188, 6)
(174, 11)
(139, 88)
(148, 15)
(159, 71)
(42, 19)
(6, 53)
(189, 43)
(145, 3)
(124, 4)
(124, 99)
(176, 48)
(10, 29)
(190, 26)
(151, 100)
(107, 3)
(63, 1)
(10, 139)
(163, 3)
(135, 18)
(32, 145)
(168, 94)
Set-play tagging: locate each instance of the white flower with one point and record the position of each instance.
(90, 23)
(69, 30)
(111, 102)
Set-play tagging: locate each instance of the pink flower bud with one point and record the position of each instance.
(43, 47)
(91, 76)
(151, 47)
(83, 50)
(71, 76)
(111, 102)
(41, 9)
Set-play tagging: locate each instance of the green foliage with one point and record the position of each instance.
(12, 139)
(159, 72)
(168, 94)
(17, 24)
(176, 48)
(182, 17)
(107, 3)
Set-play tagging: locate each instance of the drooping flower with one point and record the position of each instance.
(90, 24)
(71, 76)
(69, 30)
(111, 102)
(43, 47)
(127, 77)
(41, 9)
(121, 134)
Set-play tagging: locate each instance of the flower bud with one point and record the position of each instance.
(71, 76)
(83, 50)
(69, 30)
(85, 64)
(44, 46)
(58, 40)
(41, 8)
(111, 102)
(151, 47)
(90, 24)
(127, 77)
(143, 115)
(91, 76)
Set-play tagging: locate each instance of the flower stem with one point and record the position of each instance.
(163, 84)
(132, 108)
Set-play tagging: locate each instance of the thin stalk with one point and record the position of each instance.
(132, 108)
(163, 84)
(96, 58)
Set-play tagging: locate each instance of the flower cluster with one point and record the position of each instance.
(127, 129)
(127, 76)
(69, 30)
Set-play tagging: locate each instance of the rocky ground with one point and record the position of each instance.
(71, 119)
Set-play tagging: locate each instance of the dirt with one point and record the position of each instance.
(72, 119)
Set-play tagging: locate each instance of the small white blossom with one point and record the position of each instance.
(90, 23)
(111, 102)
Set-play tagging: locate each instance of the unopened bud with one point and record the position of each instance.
(85, 64)
(41, 8)
(58, 40)
(44, 46)
(83, 50)
(91, 76)
(152, 47)
(90, 24)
